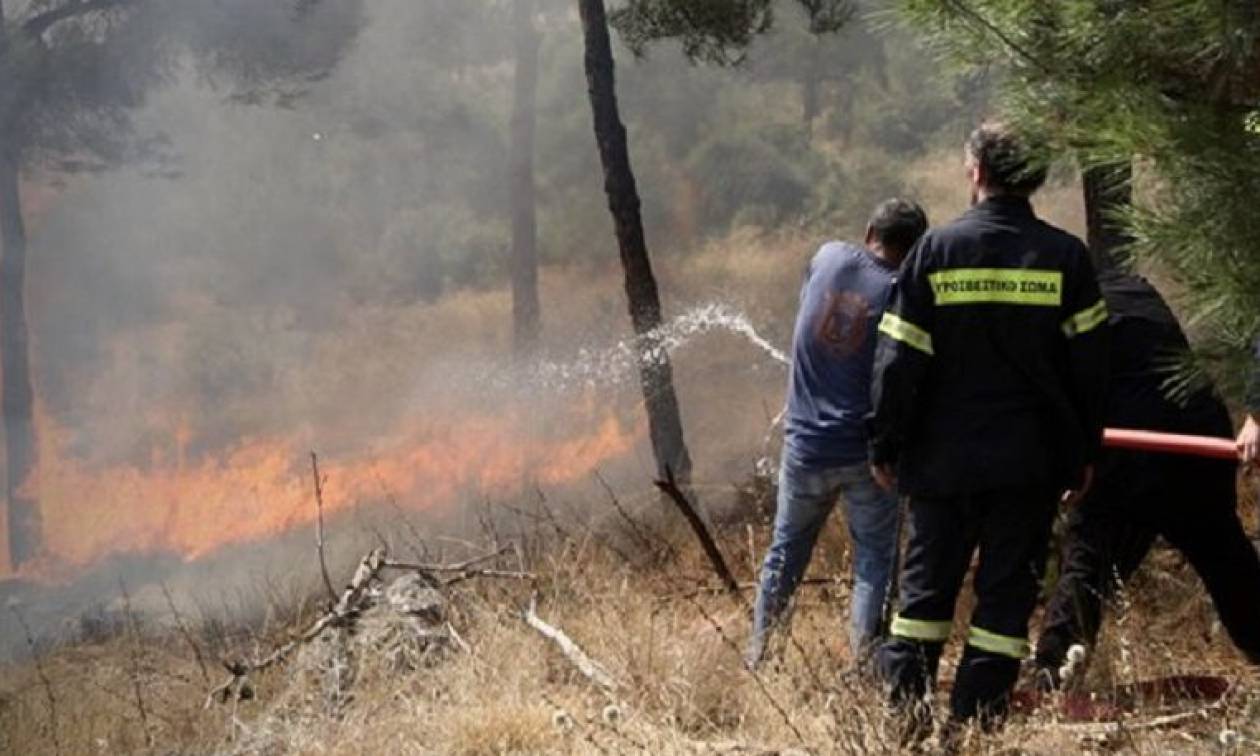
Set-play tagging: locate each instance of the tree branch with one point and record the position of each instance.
(962, 9)
(670, 488)
(589, 668)
(37, 25)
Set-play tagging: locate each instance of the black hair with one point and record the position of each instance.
(897, 224)
(1010, 164)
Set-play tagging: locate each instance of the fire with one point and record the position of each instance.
(263, 487)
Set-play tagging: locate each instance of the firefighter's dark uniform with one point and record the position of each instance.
(1253, 384)
(1136, 496)
(987, 393)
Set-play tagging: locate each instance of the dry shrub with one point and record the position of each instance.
(501, 728)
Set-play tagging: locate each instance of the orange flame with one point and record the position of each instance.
(263, 487)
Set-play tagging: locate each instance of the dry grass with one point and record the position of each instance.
(674, 652)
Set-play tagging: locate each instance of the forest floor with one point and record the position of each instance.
(631, 588)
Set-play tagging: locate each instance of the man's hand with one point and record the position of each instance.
(1073, 497)
(1248, 443)
(884, 477)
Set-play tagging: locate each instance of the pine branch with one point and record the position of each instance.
(37, 25)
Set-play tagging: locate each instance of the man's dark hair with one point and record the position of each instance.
(897, 224)
(1010, 164)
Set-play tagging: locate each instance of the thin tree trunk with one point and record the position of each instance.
(16, 394)
(655, 373)
(525, 307)
(1108, 190)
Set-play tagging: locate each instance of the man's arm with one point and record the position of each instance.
(902, 356)
(1085, 327)
(1249, 438)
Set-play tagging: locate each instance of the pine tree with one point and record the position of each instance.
(1171, 87)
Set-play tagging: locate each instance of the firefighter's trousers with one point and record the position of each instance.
(1011, 529)
(1135, 497)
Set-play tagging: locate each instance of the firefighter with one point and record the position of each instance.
(1249, 437)
(1136, 496)
(989, 370)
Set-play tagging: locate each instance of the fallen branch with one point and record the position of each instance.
(346, 607)
(496, 574)
(589, 668)
(465, 570)
(749, 586)
(1095, 729)
(670, 488)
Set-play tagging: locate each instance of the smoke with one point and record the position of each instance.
(322, 265)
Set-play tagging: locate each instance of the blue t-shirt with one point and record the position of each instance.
(833, 350)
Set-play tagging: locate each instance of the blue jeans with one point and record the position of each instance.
(806, 497)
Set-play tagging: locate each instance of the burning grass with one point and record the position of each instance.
(672, 650)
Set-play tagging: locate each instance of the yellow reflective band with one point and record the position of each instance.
(1016, 648)
(905, 331)
(1252, 122)
(961, 286)
(1086, 320)
(924, 630)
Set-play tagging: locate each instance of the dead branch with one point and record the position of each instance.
(184, 631)
(749, 586)
(589, 668)
(319, 527)
(343, 610)
(134, 631)
(1098, 729)
(495, 574)
(458, 567)
(465, 570)
(44, 680)
(670, 488)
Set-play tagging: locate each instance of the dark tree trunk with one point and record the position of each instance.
(525, 308)
(1108, 189)
(16, 395)
(655, 373)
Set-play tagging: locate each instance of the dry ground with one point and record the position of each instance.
(672, 648)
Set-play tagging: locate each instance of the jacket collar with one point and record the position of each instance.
(1004, 206)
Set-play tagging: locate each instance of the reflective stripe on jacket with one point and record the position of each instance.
(991, 365)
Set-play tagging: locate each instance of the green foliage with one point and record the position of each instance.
(763, 176)
(1170, 84)
(719, 31)
(715, 31)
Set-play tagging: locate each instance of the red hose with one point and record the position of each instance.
(1170, 443)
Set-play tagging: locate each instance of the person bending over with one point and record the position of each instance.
(824, 453)
(1249, 437)
(1137, 496)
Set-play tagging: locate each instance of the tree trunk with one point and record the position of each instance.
(16, 395)
(655, 373)
(525, 308)
(1107, 191)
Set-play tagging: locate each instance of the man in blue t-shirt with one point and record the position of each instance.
(825, 440)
